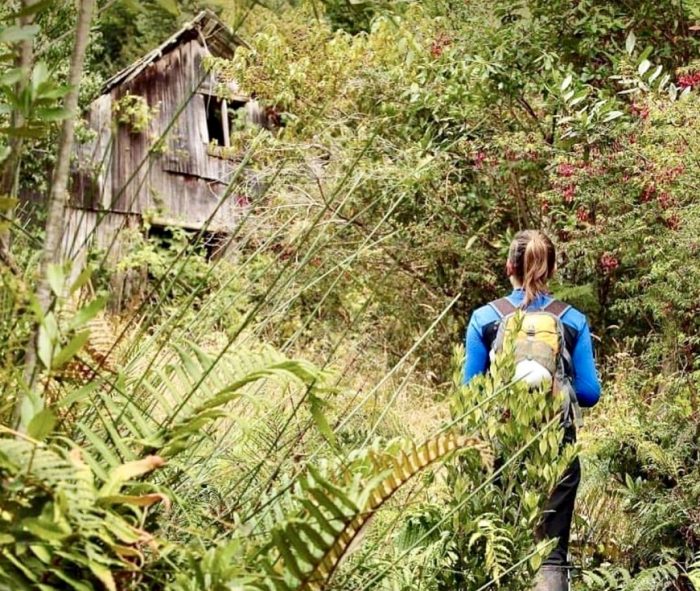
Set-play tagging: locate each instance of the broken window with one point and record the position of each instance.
(220, 118)
(216, 118)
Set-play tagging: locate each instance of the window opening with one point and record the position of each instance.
(217, 120)
(225, 117)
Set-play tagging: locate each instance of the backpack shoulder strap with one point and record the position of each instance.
(503, 307)
(557, 308)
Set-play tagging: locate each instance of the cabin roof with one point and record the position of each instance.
(219, 39)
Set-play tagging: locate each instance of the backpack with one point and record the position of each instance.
(541, 354)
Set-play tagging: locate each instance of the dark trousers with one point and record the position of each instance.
(558, 514)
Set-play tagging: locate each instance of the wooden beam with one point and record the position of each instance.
(224, 122)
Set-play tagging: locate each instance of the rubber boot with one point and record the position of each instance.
(551, 578)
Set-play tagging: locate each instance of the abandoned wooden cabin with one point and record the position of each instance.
(159, 132)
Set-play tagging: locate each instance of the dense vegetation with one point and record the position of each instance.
(246, 421)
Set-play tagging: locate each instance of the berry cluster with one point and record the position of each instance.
(689, 80)
(665, 200)
(648, 193)
(479, 159)
(609, 262)
(569, 193)
(439, 44)
(671, 174)
(566, 169)
(641, 111)
(673, 222)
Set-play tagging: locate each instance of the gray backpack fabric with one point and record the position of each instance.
(540, 350)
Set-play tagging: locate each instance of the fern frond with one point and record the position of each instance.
(309, 548)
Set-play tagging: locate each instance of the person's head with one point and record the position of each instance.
(531, 263)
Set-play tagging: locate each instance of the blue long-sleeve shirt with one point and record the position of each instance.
(483, 325)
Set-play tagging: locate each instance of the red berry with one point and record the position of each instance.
(673, 222)
(648, 193)
(566, 170)
(689, 80)
(609, 262)
(665, 200)
(568, 193)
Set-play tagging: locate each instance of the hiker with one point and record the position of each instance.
(530, 265)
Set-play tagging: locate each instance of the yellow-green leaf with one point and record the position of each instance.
(42, 424)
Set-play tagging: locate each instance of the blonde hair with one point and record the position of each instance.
(533, 259)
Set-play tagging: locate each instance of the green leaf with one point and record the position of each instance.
(41, 553)
(44, 347)
(327, 503)
(316, 406)
(15, 33)
(74, 583)
(127, 471)
(314, 537)
(11, 77)
(145, 500)
(299, 545)
(40, 74)
(290, 561)
(88, 312)
(566, 82)
(655, 74)
(33, 8)
(65, 354)
(7, 203)
(44, 529)
(82, 279)
(170, 6)
(27, 572)
(612, 115)
(53, 114)
(325, 523)
(42, 424)
(57, 278)
(103, 574)
(25, 131)
(79, 394)
(54, 92)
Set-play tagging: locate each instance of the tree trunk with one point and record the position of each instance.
(31, 402)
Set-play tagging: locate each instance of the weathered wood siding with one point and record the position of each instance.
(106, 231)
(179, 184)
(92, 179)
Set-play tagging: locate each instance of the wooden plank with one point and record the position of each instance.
(201, 203)
(186, 152)
(92, 167)
(78, 234)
